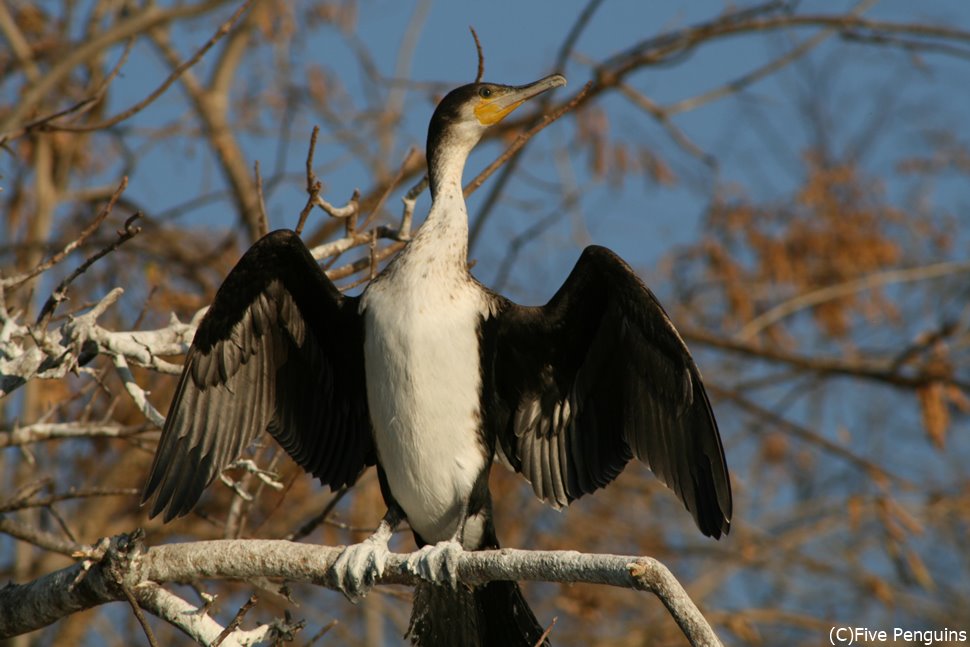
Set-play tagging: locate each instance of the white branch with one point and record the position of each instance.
(126, 565)
(138, 394)
(27, 354)
(195, 621)
(271, 479)
(43, 431)
(352, 208)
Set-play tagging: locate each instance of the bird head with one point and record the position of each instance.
(467, 112)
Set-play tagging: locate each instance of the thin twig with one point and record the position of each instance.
(263, 220)
(347, 212)
(410, 200)
(234, 624)
(778, 421)
(84, 105)
(523, 139)
(137, 394)
(41, 538)
(136, 609)
(574, 32)
(14, 281)
(839, 290)
(878, 370)
(312, 524)
(545, 634)
(512, 156)
(662, 116)
(763, 71)
(372, 252)
(60, 293)
(364, 263)
(323, 632)
(180, 69)
(23, 503)
(390, 187)
(41, 432)
(481, 56)
(137, 22)
(312, 183)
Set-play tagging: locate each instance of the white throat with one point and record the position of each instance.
(443, 238)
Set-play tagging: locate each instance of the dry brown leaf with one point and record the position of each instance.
(936, 416)
(881, 589)
(918, 569)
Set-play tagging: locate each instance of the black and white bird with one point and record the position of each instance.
(429, 375)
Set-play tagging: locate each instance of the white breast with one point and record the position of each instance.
(422, 360)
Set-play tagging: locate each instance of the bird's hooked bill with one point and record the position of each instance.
(498, 101)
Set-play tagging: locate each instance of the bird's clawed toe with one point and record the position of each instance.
(358, 567)
(437, 563)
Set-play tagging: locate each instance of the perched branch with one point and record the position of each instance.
(125, 564)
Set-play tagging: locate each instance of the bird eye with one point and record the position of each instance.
(484, 92)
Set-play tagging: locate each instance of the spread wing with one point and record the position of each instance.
(281, 349)
(595, 377)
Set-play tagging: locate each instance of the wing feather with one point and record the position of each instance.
(597, 376)
(266, 357)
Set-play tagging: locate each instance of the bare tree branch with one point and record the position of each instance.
(830, 292)
(125, 564)
(136, 22)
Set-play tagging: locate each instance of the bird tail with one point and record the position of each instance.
(492, 615)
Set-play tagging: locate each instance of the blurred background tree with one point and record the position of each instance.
(789, 177)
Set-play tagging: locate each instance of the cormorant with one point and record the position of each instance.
(428, 375)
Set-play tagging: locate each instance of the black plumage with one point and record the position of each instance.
(597, 376)
(279, 350)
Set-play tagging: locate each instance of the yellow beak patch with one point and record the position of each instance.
(491, 112)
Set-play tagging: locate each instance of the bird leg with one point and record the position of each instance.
(359, 565)
(438, 563)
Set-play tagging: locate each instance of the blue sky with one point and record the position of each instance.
(758, 136)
